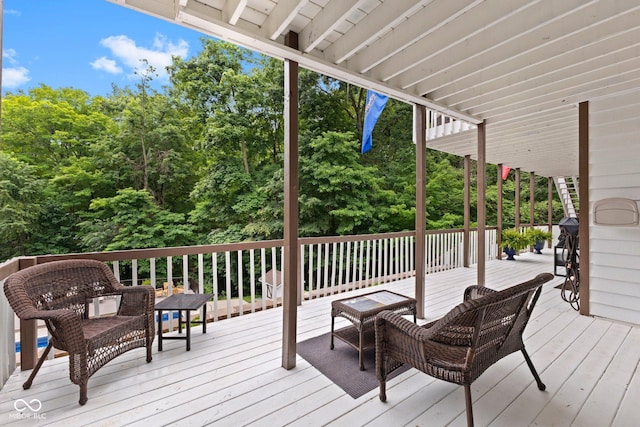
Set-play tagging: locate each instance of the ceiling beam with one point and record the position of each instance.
(433, 17)
(329, 17)
(233, 10)
(382, 19)
(574, 62)
(451, 33)
(489, 33)
(281, 16)
(584, 26)
(205, 22)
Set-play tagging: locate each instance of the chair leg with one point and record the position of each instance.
(149, 339)
(383, 391)
(29, 381)
(83, 393)
(467, 400)
(541, 385)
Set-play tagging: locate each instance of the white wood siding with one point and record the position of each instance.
(614, 162)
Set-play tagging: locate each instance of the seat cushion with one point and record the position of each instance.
(110, 330)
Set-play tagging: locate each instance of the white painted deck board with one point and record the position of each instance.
(232, 375)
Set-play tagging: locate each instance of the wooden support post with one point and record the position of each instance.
(291, 277)
(467, 211)
(532, 198)
(517, 200)
(419, 112)
(583, 218)
(532, 202)
(499, 231)
(482, 209)
(550, 209)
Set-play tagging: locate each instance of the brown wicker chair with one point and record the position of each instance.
(460, 346)
(59, 293)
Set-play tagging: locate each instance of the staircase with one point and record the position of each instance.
(567, 188)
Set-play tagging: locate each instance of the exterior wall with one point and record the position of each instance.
(614, 163)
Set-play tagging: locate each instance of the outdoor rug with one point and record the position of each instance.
(340, 365)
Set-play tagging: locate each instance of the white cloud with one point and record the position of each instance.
(10, 55)
(14, 77)
(127, 52)
(106, 64)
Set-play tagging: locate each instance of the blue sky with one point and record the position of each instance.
(85, 44)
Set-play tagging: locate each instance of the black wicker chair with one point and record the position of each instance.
(60, 292)
(460, 346)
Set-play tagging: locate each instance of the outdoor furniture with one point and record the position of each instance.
(180, 302)
(362, 311)
(464, 343)
(60, 293)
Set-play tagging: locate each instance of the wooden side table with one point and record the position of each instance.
(180, 303)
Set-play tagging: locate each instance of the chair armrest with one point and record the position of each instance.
(137, 300)
(394, 331)
(475, 292)
(66, 324)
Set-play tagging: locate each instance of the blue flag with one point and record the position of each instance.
(375, 105)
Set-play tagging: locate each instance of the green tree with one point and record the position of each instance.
(20, 205)
(131, 219)
(50, 128)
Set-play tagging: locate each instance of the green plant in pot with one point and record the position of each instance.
(537, 238)
(513, 241)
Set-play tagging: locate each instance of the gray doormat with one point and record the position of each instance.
(340, 365)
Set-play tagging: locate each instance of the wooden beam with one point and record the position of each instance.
(291, 278)
(583, 194)
(550, 209)
(532, 198)
(482, 209)
(499, 232)
(467, 211)
(420, 123)
(517, 200)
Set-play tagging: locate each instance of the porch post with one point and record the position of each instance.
(583, 216)
(467, 211)
(517, 200)
(499, 232)
(419, 116)
(482, 209)
(550, 209)
(290, 274)
(532, 198)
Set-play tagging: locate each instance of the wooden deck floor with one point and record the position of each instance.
(232, 375)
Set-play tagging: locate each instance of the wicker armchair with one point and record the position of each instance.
(60, 292)
(460, 346)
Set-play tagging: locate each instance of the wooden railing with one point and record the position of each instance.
(328, 265)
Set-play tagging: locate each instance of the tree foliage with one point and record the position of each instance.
(201, 160)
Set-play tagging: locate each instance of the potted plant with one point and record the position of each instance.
(537, 238)
(513, 241)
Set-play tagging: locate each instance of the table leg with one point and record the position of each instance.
(333, 320)
(204, 318)
(179, 321)
(360, 357)
(188, 331)
(159, 330)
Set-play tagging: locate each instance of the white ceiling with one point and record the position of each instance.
(520, 65)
